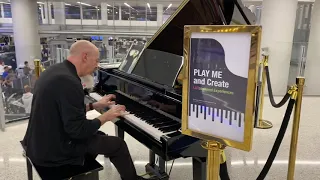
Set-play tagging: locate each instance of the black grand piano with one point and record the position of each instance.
(151, 92)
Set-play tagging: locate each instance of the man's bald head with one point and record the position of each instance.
(84, 56)
(82, 46)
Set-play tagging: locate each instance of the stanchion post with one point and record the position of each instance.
(295, 129)
(213, 160)
(37, 67)
(263, 124)
(2, 112)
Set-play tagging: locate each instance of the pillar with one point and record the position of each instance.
(25, 30)
(104, 13)
(2, 10)
(278, 22)
(159, 15)
(313, 54)
(47, 12)
(59, 12)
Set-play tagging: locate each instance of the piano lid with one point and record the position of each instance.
(169, 38)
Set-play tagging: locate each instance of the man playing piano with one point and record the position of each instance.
(58, 132)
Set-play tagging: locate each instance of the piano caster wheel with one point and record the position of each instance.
(153, 171)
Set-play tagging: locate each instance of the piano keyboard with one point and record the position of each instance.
(155, 125)
(217, 122)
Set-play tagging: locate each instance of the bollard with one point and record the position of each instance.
(295, 129)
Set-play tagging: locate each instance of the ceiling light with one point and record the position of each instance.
(84, 4)
(108, 5)
(127, 4)
(168, 7)
(148, 5)
(40, 2)
(66, 4)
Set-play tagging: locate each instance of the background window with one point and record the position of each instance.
(52, 11)
(113, 12)
(152, 14)
(138, 13)
(125, 13)
(72, 12)
(7, 10)
(91, 12)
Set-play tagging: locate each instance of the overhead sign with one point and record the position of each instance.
(219, 83)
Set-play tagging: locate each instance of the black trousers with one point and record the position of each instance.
(117, 150)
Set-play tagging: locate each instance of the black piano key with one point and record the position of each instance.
(170, 128)
(177, 133)
(197, 111)
(189, 110)
(205, 112)
(201, 108)
(209, 112)
(163, 124)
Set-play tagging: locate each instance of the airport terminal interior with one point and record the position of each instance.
(157, 57)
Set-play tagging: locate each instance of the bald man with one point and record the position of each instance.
(58, 134)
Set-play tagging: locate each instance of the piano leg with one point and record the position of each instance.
(119, 132)
(199, 168)
(162, 165)
(152, 158)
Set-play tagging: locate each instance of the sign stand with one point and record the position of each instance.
(219, 85)
(213, 160)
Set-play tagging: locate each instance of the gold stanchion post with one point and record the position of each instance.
(295, 129)
(213, 160)
(37, 67)
(263, 124)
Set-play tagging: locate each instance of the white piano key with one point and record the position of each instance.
(235, 118)
(95, 96)
(200, 112)
(208, 113)
(241, 124)
(226, 117)
(217, 115)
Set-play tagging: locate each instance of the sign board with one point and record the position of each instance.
(219, 83)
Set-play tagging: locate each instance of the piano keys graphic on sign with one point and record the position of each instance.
(217, 122)
(226, 117)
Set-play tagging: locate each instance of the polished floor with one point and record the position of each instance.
(242, 165)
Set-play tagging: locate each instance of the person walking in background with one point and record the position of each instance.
(27, 99)
(26, 68)
(5, 72)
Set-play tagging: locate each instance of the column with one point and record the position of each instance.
(25, 30)
(104, 13)
(2, 10)
(278, 22)
(120, 13)
(47, 12)
(313, 54)
(59, 13)
(81, 13)
(159, 15)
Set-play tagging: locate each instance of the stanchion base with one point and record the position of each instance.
(264, 124)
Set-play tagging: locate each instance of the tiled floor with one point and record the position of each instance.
(242, 165)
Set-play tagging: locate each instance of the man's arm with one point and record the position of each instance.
(71, 104)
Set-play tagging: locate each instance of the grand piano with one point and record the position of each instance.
(150, 89)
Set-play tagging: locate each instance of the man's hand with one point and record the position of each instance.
(114, 112)
(104, 102)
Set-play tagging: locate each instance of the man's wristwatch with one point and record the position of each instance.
(90, 106)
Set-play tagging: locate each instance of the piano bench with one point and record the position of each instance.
(89, 171)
